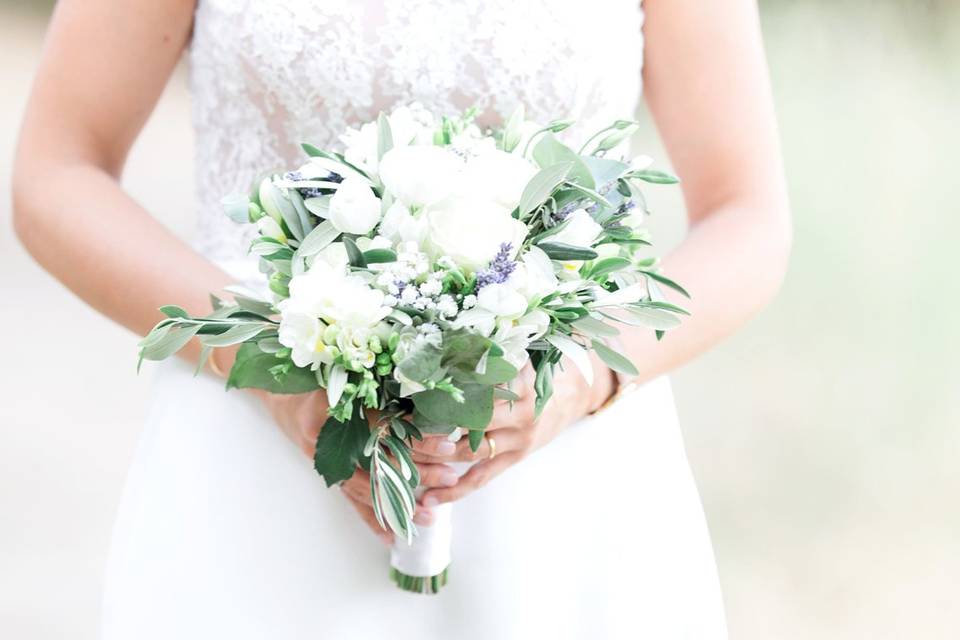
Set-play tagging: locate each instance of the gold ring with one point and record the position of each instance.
(493, 447)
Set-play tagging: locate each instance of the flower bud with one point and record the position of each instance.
(254, 212)
(269, 228)
(279, 284)
(267, 195)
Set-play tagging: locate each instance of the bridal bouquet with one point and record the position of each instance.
(415, 273)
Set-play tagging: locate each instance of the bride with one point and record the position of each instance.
(224, 531)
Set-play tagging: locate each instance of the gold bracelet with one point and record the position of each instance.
(622, 390)
(214, 367)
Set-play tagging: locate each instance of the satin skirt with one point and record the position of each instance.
(225, 531)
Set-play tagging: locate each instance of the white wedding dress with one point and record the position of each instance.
(225, 531)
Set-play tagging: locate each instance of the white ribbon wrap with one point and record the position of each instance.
(430, 552)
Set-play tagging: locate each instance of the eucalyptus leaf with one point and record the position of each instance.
(173, 311)
(440, 407)
(319, 239)
(614, 360)
(170, 341)
(233, 335)
(541, 185)
(354, 255)
(550, 151)
(653, 318)
(608, 265)
(666, 282)
(564, 251)
(237, 208)
(592, 327)
(655, 177)
(374, 256)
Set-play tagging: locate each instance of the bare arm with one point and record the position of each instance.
(103, 68)
(707, 87)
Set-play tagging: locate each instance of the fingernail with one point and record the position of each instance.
(445, 447)
(423, 517)
(448, 479)
(430, 501)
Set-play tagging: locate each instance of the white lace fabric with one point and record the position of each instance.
(268, 75)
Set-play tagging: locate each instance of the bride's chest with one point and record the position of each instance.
(447, 54)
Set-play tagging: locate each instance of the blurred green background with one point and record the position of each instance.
(823, 436)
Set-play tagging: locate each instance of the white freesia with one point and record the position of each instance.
(302, 332)
(502, 300)
(501, 176)
(354, 208)
(328, 293)
(534, 276)
(580, 230)
(515, 336)
(399, 225)
(421, 174)
(471, 231)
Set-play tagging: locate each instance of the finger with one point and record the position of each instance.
(434, 446)
(436, 475)
(506, 440)
(478, 475)
(369, 517)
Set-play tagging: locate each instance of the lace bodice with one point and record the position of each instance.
(267, 75)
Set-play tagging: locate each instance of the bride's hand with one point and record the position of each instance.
(515, 433)
(301, 416)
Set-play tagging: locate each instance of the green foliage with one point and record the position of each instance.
(440, 407)
(340, 447)
(254, 369)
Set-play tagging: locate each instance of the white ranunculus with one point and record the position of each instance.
(581, 230)
(470, 231)
(502, 300)
(399, 225)
(354, 208)
(534, 275)
(501, 176)
(420, 175)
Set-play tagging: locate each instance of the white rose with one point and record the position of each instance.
(501, 176)
(354, 208)
(580, 230)
(501, 300)
(471, 231)
(399, 225)
(421, 174)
